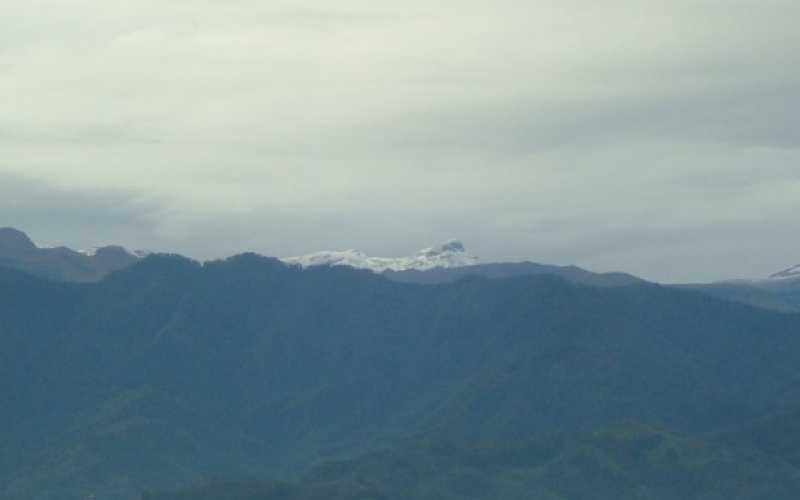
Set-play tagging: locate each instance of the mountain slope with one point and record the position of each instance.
(168, 370)
(623, 462)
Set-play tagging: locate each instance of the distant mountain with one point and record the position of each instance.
(439, 264)
(784, 298)
(17, 251)
(622, 462)
(793, 273)
(450, 262)
(509, 270)
(780, 291)
(451, 254)
(170, 371)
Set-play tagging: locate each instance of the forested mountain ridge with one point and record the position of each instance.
(436, 265)
(169, 371)
(623, 462)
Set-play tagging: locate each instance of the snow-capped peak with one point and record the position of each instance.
(93, 251)
(450, 247)
(447, 255)
(787, 274)
(89, 252)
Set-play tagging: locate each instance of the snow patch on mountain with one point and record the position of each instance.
(93, 251)
(447, 255)
(89, 252)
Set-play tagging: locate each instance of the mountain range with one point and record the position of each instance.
(547, 383)
(171, 371)
(439, 264)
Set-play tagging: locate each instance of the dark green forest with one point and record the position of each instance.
(288, 383)
(623, 462)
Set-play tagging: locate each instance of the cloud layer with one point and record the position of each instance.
(660, 138)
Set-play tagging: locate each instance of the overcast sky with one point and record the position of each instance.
(656, 137)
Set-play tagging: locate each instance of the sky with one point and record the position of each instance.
(659, 138)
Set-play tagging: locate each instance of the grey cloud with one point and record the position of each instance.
(79, 218)
(765, 117)
(91, 135)
(609, 134)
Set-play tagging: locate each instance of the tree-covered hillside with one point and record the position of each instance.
(170, 371)
(627, 462)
